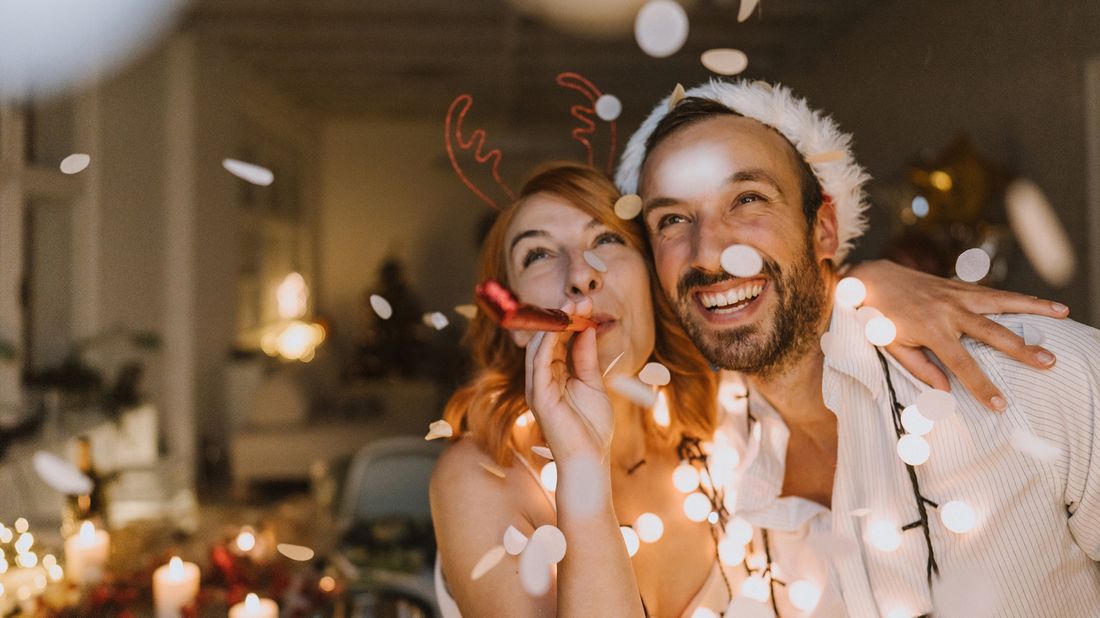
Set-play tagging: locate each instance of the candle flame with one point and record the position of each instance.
(252, 602)
(175, 568)
(87, 532)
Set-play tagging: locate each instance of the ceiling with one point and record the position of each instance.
(409, 58)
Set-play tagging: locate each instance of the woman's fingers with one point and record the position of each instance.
(996, 336)
(586, 360)
(959, 362)
(918, 364)
(985, 300)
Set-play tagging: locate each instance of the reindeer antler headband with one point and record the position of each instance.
(454, 136)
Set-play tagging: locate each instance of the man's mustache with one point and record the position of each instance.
(696, 277)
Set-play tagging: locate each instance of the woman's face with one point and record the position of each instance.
(545, 245)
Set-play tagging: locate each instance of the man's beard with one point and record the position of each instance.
(755, 349)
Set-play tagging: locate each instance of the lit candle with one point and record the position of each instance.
(175, 586)
(254, 607)
(86, 554)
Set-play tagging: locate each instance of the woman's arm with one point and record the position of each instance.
(935, 313)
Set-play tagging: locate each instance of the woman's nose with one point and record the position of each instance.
(583, 279)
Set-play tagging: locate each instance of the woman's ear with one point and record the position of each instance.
(826, 240)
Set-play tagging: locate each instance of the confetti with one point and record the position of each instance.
(746, 9)
(661, 28)
(1033, 446)
(678, 94)
(829, 345)
(487, 562)
(661, 415)
(514, 541)
(861, 512)
(467, 311)
(295, 552)
(724, 61)
(611, 365)
(548, 476)
(381, 306)
(249, 172)
(543, 452)
(61, 475)
(594, 261)
(630, 538)
(634, 390)
(608, 107)
(628, 206)
(552, 541)
(534, 570)
(655, 374)
(1033, 335)
(880, 331)
(649, 527)
(914, 422)
(850, 292)
(936, 405)
(972, 265)
(435, 320)
(1041, 235)
(491, 469)
(439, 429)
(75, 163)
(741, 261)
(829, 156)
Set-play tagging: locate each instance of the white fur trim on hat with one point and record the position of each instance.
(814, 135)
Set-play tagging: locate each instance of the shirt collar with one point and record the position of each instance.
(849, 353)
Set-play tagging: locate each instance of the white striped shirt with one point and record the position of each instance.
(1034, 547)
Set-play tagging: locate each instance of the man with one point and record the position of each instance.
(995, 514)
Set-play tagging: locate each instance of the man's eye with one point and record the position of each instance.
(534, 255)
(749, 198)
(609, 237)
(668, 220)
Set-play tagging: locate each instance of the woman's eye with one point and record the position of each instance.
(609, 237)
(668, 220)
(534, 255)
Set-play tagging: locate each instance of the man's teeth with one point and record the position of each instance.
(733, 296)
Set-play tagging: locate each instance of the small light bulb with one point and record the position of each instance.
(712, 517)
(883, 535)
(630, 538)
(649, 527)
(739, 530)
(756, 588)
(549, 476)
(958, 516)
(21, 525)
(756, 561)
(730, 552)
(686, 478)
(881, 331)
(914, 422)
(696, 506)
(525, 419)
(804, 595)
(246, 540)
(850, 292)
(913, 450)
(730, 500)
(660, 410)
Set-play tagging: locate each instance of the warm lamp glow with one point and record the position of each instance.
(292, 296)
(246, 540)
(696, 507)
(941, 180)
(686, 478)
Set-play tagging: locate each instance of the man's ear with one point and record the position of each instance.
(826, 240)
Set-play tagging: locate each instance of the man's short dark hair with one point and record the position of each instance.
(693, 110)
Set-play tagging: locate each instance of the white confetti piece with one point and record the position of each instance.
(678, 94)
(75, 163)
(913, 450)
(746, 9)
(594, 261)
(381, 306)
(724, 61)
(861, 512)
(551, 539)
(1033, 446)
(534, 570)
(611, 365)
(514, 541)
(1040, 232)
(1033, 335)
(439, 429)
(936, 405)
(487, 562)
(628, 206)
(548, 477)
(543, 452)
(655, 374)
(608, 107)
(880, 331)
(491, 469)
(300, 553)
(972, 265)
(850, 292)
(61, 474)
(634, 390)
(829, 156)
(435, 320)
(661, 28)
(829, 345)
(741, 261)
(249, 172)
(467, 311)
(914, 422)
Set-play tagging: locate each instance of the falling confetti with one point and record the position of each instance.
(661, 28)
(747, 7)
(491, 469)
(534, 570)
(936, 405)
(655, 374)
(678, 94)
(467, 311)
(634, 390)
(611, 365)
(741, 261)
(1033, 335)
(548, 477)
(972, 265)
(829, 156)
(1041, 235)
(724, 61)
(543, 452)
(295, 552)
(249, 172)
(61, 475)
(487, 562)
(594, 261)
(861, 512)
(552, 541)
(439, 429)
(75, 163)
(514, 541)
(850, 292)
(381, 306)
(608, 107)
(1033, 446)
(630, 538)
(628, 206)
(435, 320)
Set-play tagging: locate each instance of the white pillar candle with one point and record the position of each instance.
(175, 586)
(86, 554)
(254, 607)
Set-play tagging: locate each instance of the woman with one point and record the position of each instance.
(613, 460)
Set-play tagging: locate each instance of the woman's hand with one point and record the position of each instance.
(935, 313)
(571, 405)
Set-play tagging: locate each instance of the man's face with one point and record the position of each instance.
(731, 180)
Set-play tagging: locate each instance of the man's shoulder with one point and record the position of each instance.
(1063, 337)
